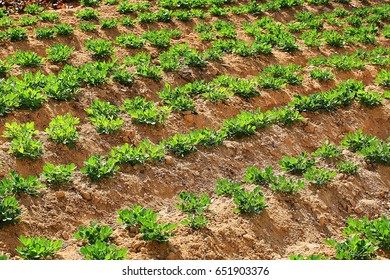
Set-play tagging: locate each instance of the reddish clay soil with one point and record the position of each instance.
(293, 224)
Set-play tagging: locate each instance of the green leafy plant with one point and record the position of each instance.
(98, 167)
(195, 221)
(218, 94)
(127, 21)
(246, 123)
(95, 233)
(28, 20)
(5, 68)
(180, 144)
(90, 3)
(191, 203)
(123, 77)
(26, 148)
(45, 33)
(16, 184)
(130, 41)
(49, 17)
(103, 251)
(95, 74)
(312, 38)
(59, 53)
(62, 129)
(321, 75)
(17, 34)
(16, 130)
(125, 7)
(28, 59)
(327, 150)
(139, 154)
(207, 137)
(383, 78)
(286, 116)
(333, 38)
(88, 14)
(282, 184)
(3, 257)
(353, 248)
(64, 29)
(38, 248)
(377, 231)
(58, 174)
(106, 124)
(319, 177)
(369, 98)
(135, 215)
(99, 48)
(256, 176)
(151, 71)
(145, 112)
(347, 167)
(33, 9)
(9, 210)
(146, 219)
(159, 232)
(87, 26)
(357, 141)
(65, 86)
(109, 23)
(104, 108)
(249, 202)
(310, 257)
(376, 152)
(296, 165)
(227, 187)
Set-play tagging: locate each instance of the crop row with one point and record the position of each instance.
(62, 130)
(32, 90)
(98, 237)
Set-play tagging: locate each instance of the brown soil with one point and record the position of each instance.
(292, 224)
